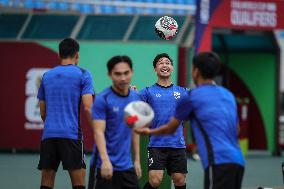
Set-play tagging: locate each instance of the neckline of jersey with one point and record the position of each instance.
(118, 93)
(208, 84)
(164, 86)
(67, 65)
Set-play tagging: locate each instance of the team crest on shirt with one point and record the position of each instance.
(177, 95)
(115, 108)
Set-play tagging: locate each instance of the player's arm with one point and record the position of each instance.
(42, 110)
(136, 153)
(99, 127)
(41, 102)
(168, 128)
(182, 112)
(87, 95)
(87, 100)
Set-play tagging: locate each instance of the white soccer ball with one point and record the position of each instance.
(166, 27)
(138, 114)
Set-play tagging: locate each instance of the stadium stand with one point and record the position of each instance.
(91, 20)
(34, 26)
(176, 7)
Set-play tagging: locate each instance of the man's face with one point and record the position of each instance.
(164, 67)
(121, 75)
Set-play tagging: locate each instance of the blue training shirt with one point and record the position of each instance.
(213, 115)
(163, 100)
(109, 106)
(62, 88)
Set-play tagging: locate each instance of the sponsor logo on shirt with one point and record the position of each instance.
(158, 95)
(115, 108)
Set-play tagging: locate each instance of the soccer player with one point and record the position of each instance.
(112, 136)
(212, 112)
(62, 90)
(165, 152)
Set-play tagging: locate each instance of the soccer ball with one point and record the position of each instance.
(166, 27)
(138, 114)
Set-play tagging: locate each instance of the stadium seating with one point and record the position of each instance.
(94, 27)
(100, 9)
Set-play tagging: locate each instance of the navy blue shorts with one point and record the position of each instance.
(120, 180)
(224, 176)
(68, 151)
(172, 159)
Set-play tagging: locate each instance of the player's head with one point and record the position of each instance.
(69, 48)
(163, 65)
(205, 65)
(120, 71)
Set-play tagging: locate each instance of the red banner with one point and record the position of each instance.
(23, 64)
(251, 14)
(235, 14)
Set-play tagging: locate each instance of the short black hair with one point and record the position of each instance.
(68, 48)
(159, 56)
(208, 64)
(118, 59)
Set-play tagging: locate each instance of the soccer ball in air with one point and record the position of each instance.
(138, 114)
(166, 27)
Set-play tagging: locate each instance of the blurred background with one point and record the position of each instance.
(247, 34)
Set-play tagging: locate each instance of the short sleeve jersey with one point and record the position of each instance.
(212, 112)
(109, 106)
(62, 88)
(163, 100)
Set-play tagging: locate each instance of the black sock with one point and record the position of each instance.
(78, 187)
(45, 187)
(148, 186)
(180, 187)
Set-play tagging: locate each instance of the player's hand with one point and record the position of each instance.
(106, 170)
(138, 169)
(142, 130)
(133, 87)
